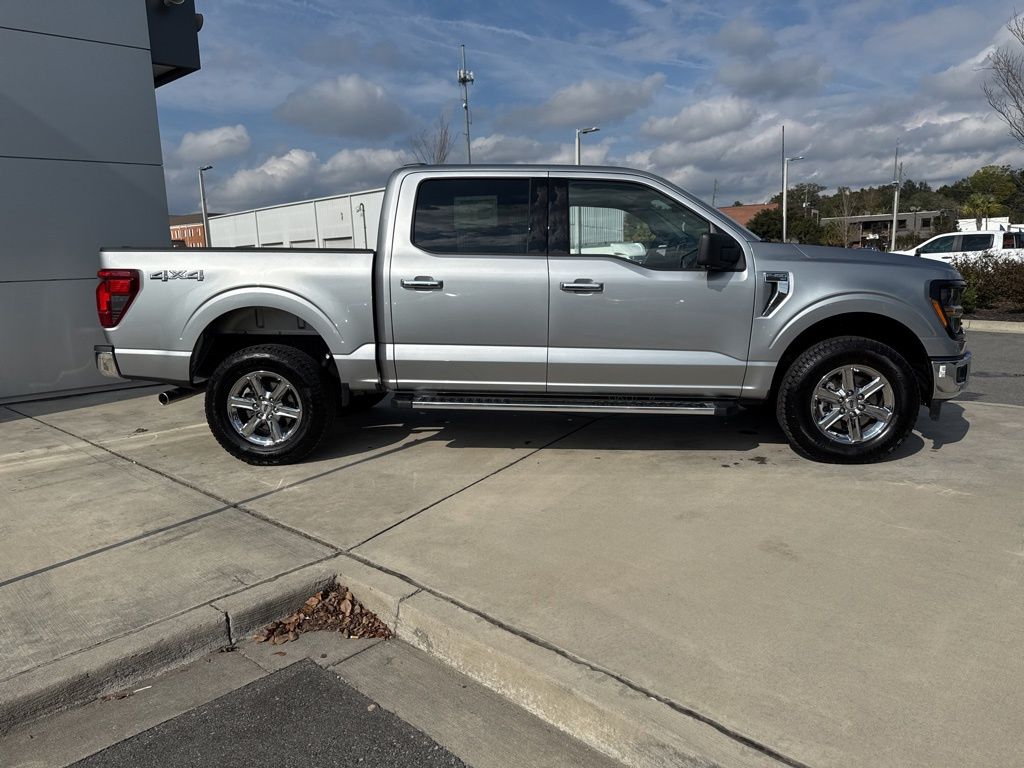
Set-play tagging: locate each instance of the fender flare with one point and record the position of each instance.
(882, 305)
(256, 296)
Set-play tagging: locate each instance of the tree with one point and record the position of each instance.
(994, 180)
(981, 206)
(1004, 87)
(433, 144)
(799, 227)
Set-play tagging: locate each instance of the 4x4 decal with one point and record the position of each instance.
(176, 274)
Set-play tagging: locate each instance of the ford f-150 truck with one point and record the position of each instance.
(540, 288)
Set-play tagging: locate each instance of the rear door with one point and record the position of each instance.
(469, 284)
(631, 313)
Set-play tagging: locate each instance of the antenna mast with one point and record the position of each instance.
(465, 80)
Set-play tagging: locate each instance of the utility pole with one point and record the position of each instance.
(465, 80)
(202, 203)
(897, 180)
(714, 194)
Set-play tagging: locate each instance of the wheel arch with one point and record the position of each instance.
(219, 335)
(881, 328)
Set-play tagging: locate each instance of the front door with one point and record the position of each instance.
(631, 313)
(469, 285)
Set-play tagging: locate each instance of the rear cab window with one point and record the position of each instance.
(480, 216)
(975, 242)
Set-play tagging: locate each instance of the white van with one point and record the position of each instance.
(956, 245)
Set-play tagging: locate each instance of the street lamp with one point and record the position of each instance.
(580, 132)
(785, 190)
(202, 202)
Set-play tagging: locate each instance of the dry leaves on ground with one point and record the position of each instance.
(333, 609)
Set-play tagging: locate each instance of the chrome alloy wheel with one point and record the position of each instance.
(853, 404)
(264, 408)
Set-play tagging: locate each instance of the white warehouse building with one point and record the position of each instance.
(341, 221)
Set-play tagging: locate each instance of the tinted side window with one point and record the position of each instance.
(975, 242)
(481, 216)
(942, 245)
(632, 222)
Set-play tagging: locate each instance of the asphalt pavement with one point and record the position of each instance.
(997, 374)
(301, 714)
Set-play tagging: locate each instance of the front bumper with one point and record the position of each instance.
(950, 376)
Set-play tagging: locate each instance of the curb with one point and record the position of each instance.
(592, 705)
(111, 666)
(586, 703)
(993, 326)
(119, 663)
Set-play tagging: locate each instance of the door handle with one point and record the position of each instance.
(423, 283)
(582, 285)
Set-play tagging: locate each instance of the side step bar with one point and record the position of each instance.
(561, 404)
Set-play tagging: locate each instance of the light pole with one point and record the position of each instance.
(580, 132)
(202, 202)
(785, 191)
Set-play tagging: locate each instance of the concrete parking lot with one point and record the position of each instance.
(839, 616)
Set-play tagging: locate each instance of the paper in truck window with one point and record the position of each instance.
(476, 212)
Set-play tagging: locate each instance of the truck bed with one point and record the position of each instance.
(269, 291)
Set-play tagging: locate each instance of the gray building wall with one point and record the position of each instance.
(80, 168)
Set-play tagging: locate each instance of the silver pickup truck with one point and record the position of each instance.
(541, 288)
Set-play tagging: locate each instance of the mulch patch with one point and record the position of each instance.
(333, 609)
(1006, 312)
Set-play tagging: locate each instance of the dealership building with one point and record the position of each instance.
(80, 168)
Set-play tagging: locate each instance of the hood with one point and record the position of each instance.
(781, 253)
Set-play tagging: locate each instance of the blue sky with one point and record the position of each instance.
(301, 98)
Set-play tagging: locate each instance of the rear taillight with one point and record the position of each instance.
(114, 294)
(946, 296)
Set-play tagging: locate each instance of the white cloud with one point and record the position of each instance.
(775, 78)
(300, 174)
(705, 119)
(591, 102)
(214, 144)
(347, 105)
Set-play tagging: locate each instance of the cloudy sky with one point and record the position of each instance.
(302, 98)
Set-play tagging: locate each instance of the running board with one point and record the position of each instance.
(449, 401)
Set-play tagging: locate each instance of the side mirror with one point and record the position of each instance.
(917, 251)
(718, 251)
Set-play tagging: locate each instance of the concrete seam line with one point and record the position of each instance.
(191, 486)
(488, 476)
(675, 706)
(238, 505)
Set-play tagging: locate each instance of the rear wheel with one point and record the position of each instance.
(269, 404)
(848, 400)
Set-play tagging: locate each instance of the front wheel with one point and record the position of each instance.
(269, 404)
(848, 400)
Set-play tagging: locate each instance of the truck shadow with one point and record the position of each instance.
(744, 431)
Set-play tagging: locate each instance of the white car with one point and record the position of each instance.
(956, 245)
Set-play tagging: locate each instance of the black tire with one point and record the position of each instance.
(827, 423)
(361, 401)
(307, 399)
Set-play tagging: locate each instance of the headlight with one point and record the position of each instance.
(945, 296)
